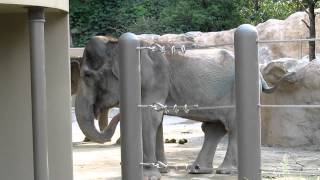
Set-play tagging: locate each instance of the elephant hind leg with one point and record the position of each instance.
(213, 132)
(151, 121)
(229, 164)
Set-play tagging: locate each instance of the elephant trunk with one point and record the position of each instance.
(267, 89)
(85, 117)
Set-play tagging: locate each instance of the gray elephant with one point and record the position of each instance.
(203, 77)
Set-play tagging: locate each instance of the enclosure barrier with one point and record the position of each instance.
(130, 98)
(248, 105)
(247, 98)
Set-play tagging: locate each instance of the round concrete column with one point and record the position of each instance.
(38, 90)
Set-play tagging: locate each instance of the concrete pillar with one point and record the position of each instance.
(247, 100)
(130, 113)
(38, 92)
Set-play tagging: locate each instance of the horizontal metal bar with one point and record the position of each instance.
(287, 106)
(189, 107)
(209, 46)
(216, 107)
(181, 48)
(287, 41)
(157, 164)
(194, 107)
(146, 47)
(291, 172)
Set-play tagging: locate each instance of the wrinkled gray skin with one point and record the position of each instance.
(203, 77)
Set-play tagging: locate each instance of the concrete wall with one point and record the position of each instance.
(16, 149)
(16, 153)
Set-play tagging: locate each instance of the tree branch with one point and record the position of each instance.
(305, 23)
(305, 10)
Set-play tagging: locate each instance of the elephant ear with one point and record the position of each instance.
(75, 74)
(111, 54)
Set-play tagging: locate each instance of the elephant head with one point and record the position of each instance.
(267, 89)
(98, 85)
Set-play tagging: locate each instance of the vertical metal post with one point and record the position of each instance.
(247, 100)
(38, 85)
(130, 113)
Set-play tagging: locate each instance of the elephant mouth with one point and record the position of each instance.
(97, 109)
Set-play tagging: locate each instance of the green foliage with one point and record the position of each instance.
(268, 9)
(93, 17)
(146, 16)
(114, 17)
(191, 15)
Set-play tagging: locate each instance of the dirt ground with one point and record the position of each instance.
(102, 162)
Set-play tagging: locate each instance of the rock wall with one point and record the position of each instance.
(292, 126)
(290, 28)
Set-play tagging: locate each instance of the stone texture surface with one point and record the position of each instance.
(273, 29)
(292, 126)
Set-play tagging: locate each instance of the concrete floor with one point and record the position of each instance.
(102, 162)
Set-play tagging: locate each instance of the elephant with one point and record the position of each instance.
(203, 76)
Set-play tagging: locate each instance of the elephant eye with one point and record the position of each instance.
(87, 74)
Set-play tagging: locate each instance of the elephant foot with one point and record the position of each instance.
(86, 139)
(164, 170)
(199, 169)
(118, 142)
(151, 174)
(227, 169)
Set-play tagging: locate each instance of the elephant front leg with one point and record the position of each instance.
(213, 134)
(151, 121)
(160, 154)
(103, 119)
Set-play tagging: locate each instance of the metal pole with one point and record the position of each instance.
(38, 90)
(130, 98)
(247, 110)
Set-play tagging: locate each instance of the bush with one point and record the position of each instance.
(114, 17)
(268, 9)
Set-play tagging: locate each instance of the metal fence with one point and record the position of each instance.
(247, 105)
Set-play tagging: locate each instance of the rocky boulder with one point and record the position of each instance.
(273, 29)
(292, 126)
